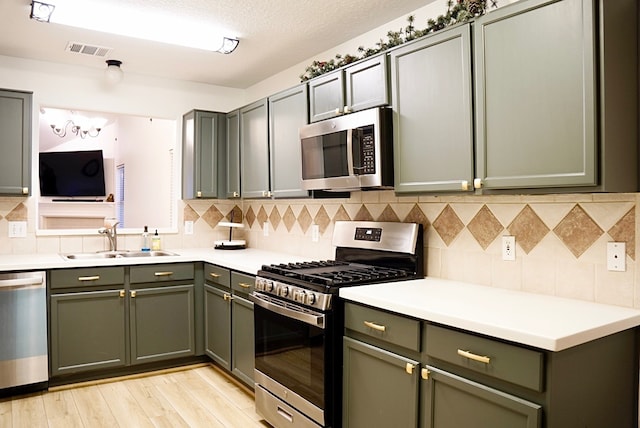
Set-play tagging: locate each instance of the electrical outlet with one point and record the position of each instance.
(315, 232)
(188, 228)
(616, 256)
(508, 248)
(17, 229)
(265, 228)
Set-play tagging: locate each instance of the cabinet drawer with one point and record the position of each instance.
(500, 360)
(161, 272)
(217, 275)
(242, 283)
(389, 327)
(83, 277)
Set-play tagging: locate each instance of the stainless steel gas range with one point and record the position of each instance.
(299, 319)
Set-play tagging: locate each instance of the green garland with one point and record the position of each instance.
(458, 11)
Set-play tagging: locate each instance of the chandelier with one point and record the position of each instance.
(80, 131)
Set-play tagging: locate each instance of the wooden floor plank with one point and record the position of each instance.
(5, 413)
(156, 407)
(28, 411)
(61, 410)
(93, 408)
(124, 406)
(199, 396)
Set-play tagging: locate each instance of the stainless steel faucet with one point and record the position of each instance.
(112, 234)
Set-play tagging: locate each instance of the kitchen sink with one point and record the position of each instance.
(116, 254)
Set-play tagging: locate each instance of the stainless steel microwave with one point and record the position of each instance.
(348, 152)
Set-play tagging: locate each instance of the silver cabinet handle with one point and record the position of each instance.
(475, 357)
(477, 183)
(464, 185)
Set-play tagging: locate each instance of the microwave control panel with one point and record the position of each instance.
(368, 151)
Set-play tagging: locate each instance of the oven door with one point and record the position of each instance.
(291, 348)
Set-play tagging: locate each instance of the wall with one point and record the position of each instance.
(561, 239)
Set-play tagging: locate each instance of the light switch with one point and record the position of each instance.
(616, 256)
(17, 229)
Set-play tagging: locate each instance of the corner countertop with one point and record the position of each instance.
(537, 320)
(248, 260)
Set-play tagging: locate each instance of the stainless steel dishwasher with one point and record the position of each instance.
(23, 330)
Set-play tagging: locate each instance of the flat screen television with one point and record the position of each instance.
(71, 174)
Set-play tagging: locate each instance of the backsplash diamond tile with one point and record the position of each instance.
(322, 219)
(262, 216)
(190, 214)
(341, 215)
(388, 214)
(289, 219)
(578, 231)
(235, 214)
(212, 216)
(485, 227)
(363, 214)
(250, 217)
(275, 218)
(304, 219)
(416, 215)
(625, 231)
(448, 225)
(528, 229)
(19, 213)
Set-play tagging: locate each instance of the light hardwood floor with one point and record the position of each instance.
(198, 396)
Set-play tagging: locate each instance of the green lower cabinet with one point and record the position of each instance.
(162, 323)
(217, 326)
(87, 331)
(242, 339)
(451, 401)
(380, 387)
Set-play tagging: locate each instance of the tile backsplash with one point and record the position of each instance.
(560, 239)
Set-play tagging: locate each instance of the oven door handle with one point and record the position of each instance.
(307, 318)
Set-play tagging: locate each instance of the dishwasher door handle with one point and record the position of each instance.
(22, 282)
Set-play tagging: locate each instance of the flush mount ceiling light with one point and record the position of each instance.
(113, 73)
(147, 24)
(41, 11)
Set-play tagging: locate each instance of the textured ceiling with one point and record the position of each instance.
(274, 34)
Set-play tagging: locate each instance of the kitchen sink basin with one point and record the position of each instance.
(116, 254)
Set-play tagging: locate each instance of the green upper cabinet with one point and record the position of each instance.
(254, 150)
(288, 111)
(357, 87)
(233, 154)
(15, 142)
(553, 96)
(432, 105)
(203, 154)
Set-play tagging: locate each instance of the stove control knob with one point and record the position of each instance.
(311, 299)
(283, 291)
(260, 284)
(268, 285)
(299, 296)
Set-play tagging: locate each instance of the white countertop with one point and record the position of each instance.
(249, 260)
(537, 320)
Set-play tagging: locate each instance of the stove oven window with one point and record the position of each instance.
(291, 352)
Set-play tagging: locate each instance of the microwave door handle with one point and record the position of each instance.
(350, 166)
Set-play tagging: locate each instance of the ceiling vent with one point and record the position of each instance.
(85, 49)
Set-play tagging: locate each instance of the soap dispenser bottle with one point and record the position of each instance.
(145, 240)
(156, 244)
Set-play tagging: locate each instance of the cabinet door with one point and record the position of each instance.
(367, 84)
(87, 331)
(233, 154)
(433, 141)
(378, 388)
(326, 96)
(242, 341)
(450, 401)
(217, 327)
(15, 143)
(200, 154)
(162, 323)
(254, 147)
(535, 84)
(288, 111)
